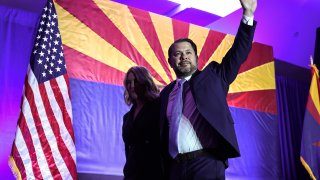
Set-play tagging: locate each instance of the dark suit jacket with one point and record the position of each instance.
(142, 143)
(210, 88)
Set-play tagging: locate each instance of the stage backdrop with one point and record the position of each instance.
(103, 39)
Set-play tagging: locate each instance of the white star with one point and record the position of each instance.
(38, 37)
(54, 50)
(53, 57)
(39, 61)
(37, 44)
(49, 52)
(46, 8)
(40, 30)
(47, 58)
(50, 71)
(42, 22)
(58, 35)
(41, 53)
(47, 31)
(54, 16)
(35, 51)
(44, 16)
(44, 74)
(53, 23)
(51, 64)
(46, 66)
(58, 69)
(61, 54)
(45, 39)
(60, 61)
(51, 30)
(49, 17)
(55, 42)
(48, 24)
(43, 46)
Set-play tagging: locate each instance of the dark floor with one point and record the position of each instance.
(86, 176)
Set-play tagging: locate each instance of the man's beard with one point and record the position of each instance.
(184, 72)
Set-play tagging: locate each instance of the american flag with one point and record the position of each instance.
(44, 146)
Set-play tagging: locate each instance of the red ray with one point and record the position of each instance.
(83, 67)
(180, 29)
(262, 100)
(145, 23)
(313, 110)
(212, 42)
(259, 55)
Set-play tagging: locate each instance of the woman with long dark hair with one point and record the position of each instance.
(140, 130)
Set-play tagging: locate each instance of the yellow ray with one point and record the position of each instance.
(314, 93)
(258, 78)
(122, 18)
(78, 36)
(198, 35)
(222, 49)
(306, 165)
(164, 29)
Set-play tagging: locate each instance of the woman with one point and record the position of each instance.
(140, 130)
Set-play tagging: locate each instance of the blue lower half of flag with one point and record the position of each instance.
(257, 134)
(97, 119)
(310, 144)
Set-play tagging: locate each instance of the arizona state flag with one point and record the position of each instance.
(310, 142)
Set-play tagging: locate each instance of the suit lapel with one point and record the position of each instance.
(164, 105)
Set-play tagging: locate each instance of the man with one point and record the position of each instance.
(197, 129)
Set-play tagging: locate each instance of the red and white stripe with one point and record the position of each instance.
(44, 146)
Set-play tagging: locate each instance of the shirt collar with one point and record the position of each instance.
(186, 78)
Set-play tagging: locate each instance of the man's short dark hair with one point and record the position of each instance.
(193, 45)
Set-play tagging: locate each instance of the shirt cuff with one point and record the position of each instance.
(247, 20)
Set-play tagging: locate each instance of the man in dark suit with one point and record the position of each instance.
(197, 129)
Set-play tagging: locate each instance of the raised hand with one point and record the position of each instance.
(248, 6)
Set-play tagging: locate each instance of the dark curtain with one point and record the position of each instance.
(292, 84)
(316, 56)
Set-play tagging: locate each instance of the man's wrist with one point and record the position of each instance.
(247, 20)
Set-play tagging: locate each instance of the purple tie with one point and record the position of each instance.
(176, 114)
